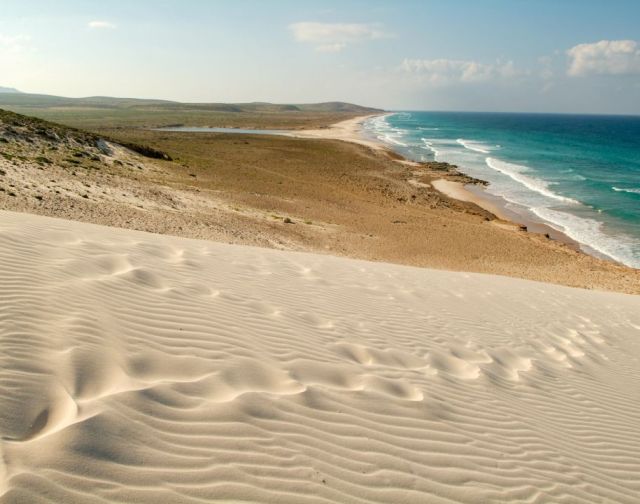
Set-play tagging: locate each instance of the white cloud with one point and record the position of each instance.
(445, 71)
(334, 37)
(336, 47)
(607, 57)
(101, 25)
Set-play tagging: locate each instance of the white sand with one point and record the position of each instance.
(350, 130)
(458, 191)
(151, 369)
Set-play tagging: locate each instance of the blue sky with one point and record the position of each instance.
(536, 55)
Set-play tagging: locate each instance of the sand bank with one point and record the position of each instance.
(350, 130)
(460, 192)
(155, 369)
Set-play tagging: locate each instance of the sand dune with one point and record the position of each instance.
(152, 369)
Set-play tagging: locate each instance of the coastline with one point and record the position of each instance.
(476, 194)
(352, 130)
(322, 194)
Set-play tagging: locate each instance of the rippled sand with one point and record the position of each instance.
(145, 368)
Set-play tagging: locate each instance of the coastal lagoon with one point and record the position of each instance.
(238, 131)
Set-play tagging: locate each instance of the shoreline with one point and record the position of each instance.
(476, 194)
(335, 197)
(352, 130)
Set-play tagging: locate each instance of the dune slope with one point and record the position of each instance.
(152, 369)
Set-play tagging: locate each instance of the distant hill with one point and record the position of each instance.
(9, 90)
(46, 101)
(104, 112)
(12, 97)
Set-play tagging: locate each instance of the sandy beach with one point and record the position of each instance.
(352, 130)
(145, 368)
(335, 252)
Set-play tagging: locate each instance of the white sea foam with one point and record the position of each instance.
(633, 190)
(385, 132)
(429, 146)
(570, 174)
(391, 139)
(516, 172)
(589, 232)
(475, 146)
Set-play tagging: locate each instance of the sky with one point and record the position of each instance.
(574, 56)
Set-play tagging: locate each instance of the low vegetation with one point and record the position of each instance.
(105, 112)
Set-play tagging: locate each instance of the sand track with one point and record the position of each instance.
(146, 368)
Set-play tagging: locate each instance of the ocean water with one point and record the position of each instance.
(579, 174)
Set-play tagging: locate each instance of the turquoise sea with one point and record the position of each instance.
(577, 173)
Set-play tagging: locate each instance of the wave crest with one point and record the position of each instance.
(515, 172)
(475, 146)
(590, 232)
(632, 190)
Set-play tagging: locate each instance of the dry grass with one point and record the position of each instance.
(105, 112)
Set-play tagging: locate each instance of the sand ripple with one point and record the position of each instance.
(150, 369)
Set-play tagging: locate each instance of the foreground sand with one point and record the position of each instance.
(154, 369)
